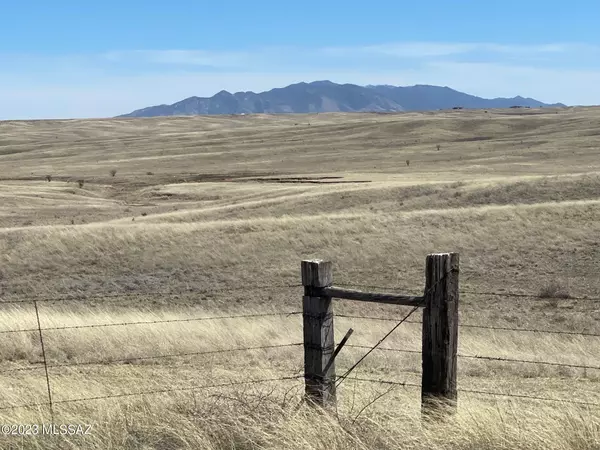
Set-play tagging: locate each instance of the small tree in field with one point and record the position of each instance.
(80, 183)
(113, 172)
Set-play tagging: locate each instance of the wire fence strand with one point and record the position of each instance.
(151, 357)
(530, 330)
(154, 392)
(530, 296)
(483, 327)
(111, 295)
(473, 391)
(529, 361)
(22, 369)
(174, 355)
(390, 382)
(487, 358)
(529, 397)
(162, 321)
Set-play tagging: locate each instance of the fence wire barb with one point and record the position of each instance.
(483, 327)
(529, 361)
(22, 369)
(23, 330)
(395, 383)
(387, 349)
(530, 330)
(192, 319)
(473, 391)
(355, 285)
(155, 391)
(174, 355)
(534, 296)
(529, 397)
(83, 296)
(487, 358)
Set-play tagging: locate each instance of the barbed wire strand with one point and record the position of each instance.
(71, 327)
(395, 383)
(484, 327)
(473, 391)
(355, 285)
(530, 330)
(191, 319)
(84, 296)
(155, 391)
(488, 358)
(529, 397)
(536, 296)
(399, 350)
(21, 369)
(22, 330)
(529, 361)
(175, 355)
(143, 358)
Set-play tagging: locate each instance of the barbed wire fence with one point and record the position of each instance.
(488, 358)
(46, 365)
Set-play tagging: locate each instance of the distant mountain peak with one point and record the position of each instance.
(321, 83)
(327, 96)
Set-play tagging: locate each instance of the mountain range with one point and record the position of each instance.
(326, 96)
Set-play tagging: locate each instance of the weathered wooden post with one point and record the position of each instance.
(319, 342)
(440, 332)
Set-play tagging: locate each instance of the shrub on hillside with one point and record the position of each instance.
(554, 290)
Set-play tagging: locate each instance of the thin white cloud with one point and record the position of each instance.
(433, 49)
(181, 57)
(407, 49)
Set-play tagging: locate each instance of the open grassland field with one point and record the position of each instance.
(211, 216)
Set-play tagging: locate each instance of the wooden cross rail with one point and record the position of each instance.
(351, 294)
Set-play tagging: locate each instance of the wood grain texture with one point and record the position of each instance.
(319, 341)
(351, 294)
(440, 331)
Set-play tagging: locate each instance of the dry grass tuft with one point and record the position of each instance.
(554, 290)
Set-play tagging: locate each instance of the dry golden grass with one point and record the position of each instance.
(515, 192)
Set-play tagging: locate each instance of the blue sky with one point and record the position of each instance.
(98, 59)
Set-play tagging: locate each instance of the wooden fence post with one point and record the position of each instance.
(440, 332)
(319, 340)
